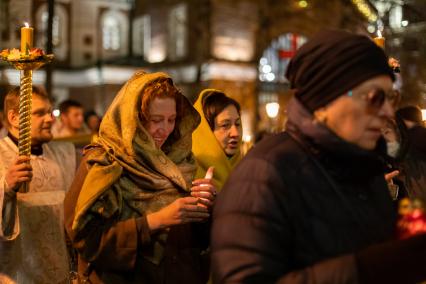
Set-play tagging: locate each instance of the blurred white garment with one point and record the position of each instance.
(3, 133)
(32, 240)
(62, 131)
(392, 148)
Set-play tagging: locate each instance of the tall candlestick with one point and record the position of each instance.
(379, 40)
(26, 39)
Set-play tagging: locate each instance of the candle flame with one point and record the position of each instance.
(26, 25)
(379, 33)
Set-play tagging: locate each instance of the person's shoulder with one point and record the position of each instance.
(277, 156)
(61, 145)
(7, 144)
(3, 132)
(275, 148)
(418, 129)
(62, 150)
(8, 152)
(3, 140)
(64, 153)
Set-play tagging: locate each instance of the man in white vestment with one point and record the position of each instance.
(32, 240)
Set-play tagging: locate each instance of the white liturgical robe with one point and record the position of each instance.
(32, 238)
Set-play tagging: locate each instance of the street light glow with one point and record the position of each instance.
(272, 109)
(303, 4)
(423, 114)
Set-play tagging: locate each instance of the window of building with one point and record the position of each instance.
(4, 20)
(111, 33)
(142, 36)
(59, 30)
(395, 16)
(177, 36)
(274, 61)
(56, 40)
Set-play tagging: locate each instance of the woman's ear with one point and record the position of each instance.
(13, 118)
(320, 115)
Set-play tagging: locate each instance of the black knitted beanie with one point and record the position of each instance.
(331, 63)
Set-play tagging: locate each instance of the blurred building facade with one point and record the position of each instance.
(81, 38)
(404, 24)
(239, 46)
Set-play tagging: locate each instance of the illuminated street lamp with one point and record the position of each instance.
(423, 114)
(272, 109)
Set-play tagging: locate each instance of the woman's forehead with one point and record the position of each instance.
(229, 111)
(162, 104)
(382, 82)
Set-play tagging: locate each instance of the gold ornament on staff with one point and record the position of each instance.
(26, 60)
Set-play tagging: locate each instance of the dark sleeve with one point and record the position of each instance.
(252, 240)
(201, 232)
(112, 245)
(339, 270)
(252, 235)
(402, 261)
(417, 137)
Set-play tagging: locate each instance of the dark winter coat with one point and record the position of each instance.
(298, 207)
(414, 163)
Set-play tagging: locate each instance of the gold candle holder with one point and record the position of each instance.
(26, 65)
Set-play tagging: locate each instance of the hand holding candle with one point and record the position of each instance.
(26, 39)
(204, 189)
(209, 173)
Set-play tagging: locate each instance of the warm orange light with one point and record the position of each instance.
(379, 40)
(303, 4)
(26, 39)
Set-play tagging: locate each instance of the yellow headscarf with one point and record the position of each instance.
(153, 178)
(208, 151)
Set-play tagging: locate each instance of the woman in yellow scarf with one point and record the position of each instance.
(133, 212)
(217, 140)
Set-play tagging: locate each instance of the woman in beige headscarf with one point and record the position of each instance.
(133, 212)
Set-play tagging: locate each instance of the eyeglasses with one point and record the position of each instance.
(377, 97)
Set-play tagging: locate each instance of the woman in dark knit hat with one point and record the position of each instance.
(311, 205)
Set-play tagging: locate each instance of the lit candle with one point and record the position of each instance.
(26, 39)
(379, 40)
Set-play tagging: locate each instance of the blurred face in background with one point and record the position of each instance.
(357, 117)
(93, 123)
(161, 119)
(391, 135)
(73, 118)
(389, 132)
(228, 130)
